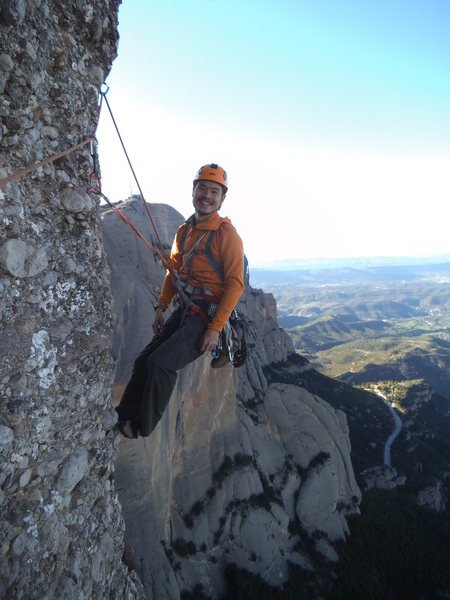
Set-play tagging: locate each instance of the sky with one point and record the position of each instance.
(331, 118)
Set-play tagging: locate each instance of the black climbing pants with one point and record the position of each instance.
(155, 370)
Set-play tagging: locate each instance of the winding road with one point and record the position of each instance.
(394, 434)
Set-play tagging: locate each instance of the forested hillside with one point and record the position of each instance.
(381, 329)
(368, 323)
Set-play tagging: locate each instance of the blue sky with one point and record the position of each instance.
(331, 118)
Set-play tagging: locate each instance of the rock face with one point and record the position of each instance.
(239, 471)
(382, 478)
(61, 528)
(433, 496)
(136, 275)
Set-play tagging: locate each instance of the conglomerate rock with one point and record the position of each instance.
(61, 528)
(234, 470)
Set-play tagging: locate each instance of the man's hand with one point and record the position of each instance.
(158, 321)
(209, 340)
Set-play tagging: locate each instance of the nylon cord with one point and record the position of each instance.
(134, 174)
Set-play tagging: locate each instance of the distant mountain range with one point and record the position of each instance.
(368, 322)
(324, 271)
(356, 262)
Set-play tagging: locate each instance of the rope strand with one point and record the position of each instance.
(134, 228)
(18, 174)
(134, 174)
(167, 263)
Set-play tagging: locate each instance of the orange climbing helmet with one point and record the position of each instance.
(213, 172)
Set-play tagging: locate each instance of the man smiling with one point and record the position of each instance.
(207, 254)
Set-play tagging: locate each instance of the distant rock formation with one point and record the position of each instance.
(382, 478)
(136, 276)
(239, 471)
(433, 496)
(415, 364)
(61, 528)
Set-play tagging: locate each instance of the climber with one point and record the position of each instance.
(206, 283)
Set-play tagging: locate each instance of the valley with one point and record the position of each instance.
(368, 323)
(368, 330)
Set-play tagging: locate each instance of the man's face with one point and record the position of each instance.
(206, 198)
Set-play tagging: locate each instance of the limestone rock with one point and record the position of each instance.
(22, 259)
(96, 76)
(6, 62)
(76, 201)
(6, 436)
(73, 471)
(13, 12)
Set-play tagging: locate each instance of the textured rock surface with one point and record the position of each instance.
(238, 471)
(433, 496)
(61, 528)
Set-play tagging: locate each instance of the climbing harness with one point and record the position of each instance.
(214, 263)
(231, 346)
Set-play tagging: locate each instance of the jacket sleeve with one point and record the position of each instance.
(232, 253)
(168, 290)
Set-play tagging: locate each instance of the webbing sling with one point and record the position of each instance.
(214, 263)
(187, 260)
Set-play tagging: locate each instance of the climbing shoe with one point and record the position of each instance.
(129, 429)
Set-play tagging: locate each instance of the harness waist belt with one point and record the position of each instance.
(196, 292)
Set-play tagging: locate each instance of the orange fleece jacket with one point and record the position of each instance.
(227, 248)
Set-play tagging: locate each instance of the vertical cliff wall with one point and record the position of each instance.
(239, 471)
(61, 529)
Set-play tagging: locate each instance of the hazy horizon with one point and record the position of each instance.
(293, 263)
